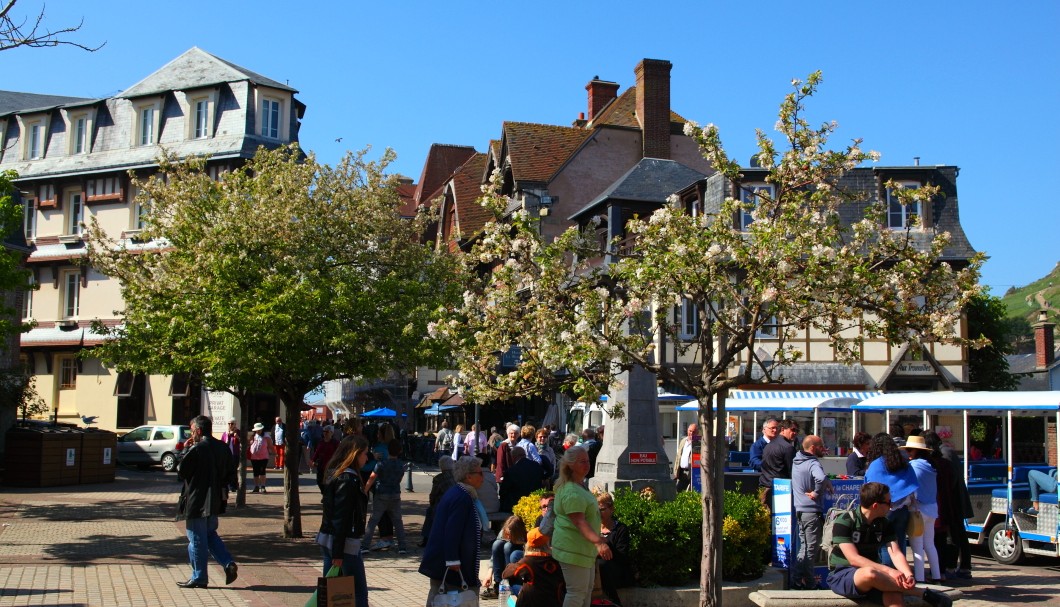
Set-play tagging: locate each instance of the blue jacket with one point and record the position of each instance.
(757, 448)
(456, 535)
(902, 484)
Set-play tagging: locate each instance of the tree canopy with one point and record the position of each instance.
(797, 268)
(280, 275)
(988, 365)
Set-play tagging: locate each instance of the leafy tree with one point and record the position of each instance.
(280, 275)
(31, 32)
(988, 365)
(798, 268)
(16, 388)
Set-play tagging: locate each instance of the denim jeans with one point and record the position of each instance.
(811, 524)
(900, 520)
(385, 502)
(203, 538)
(502, 553)
(353, 565)
(1040, 482)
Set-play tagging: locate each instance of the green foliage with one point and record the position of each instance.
(529, 508)
(666, 539)
(18, 389)
(745, 536)
(13, 276)
(988, 366)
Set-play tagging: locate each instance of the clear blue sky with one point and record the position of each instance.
(974, 84)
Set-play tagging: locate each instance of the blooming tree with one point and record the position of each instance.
(277, 276)
(796, 269)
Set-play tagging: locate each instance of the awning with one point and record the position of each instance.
(771, 400)
(976, 403)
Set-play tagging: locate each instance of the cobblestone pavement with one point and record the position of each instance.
(117, 544)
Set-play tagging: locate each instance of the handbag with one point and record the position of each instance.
(464, 597)
(916, 524)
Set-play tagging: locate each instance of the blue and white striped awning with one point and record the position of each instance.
(778, 400)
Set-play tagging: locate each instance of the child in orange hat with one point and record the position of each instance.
(539, 573)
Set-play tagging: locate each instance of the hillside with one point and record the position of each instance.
(1024, 302)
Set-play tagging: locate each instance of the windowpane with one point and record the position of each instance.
(75, 214)
(27, 305)
(68, 374)
(270, 118)
(29, 218)
(79, 135)
(147, 126)
(901, 216)
(201, 111)
(71, 294)
(35, 141)
(751, 194)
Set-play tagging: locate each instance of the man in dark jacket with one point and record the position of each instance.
(207, 470)
(776, 460)
(523, 478)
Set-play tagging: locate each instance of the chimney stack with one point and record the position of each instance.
(653, 106)
(1044, 346)
(601, 92)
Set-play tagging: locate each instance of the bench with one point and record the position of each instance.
(827, 598)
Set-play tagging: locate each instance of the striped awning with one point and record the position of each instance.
(779, 394)
(778, 400)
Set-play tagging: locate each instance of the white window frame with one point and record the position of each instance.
(901, 212)
(139, 209)
(33, 132)
(148, 123)
(67, 368)
(200, 110)
(70, 283)
(29, 217)
(79, 130)
(271, 125)
(27, 303)
(202, 118)
(73, 212)
(689, 326)
(749, 194)
(770, 329)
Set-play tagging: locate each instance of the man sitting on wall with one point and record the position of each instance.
(854, 568)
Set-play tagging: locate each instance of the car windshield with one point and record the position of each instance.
(185, 432)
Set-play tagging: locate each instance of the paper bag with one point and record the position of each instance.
(335, 591)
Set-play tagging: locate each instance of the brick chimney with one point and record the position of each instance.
(601, 92)
(653, 106)
(1044, 345)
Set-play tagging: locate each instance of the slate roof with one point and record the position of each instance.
(622, 112)
(651, 180)
(197, 69)
(537, 151)
(467, 189)
(442, 160)
(13, 101)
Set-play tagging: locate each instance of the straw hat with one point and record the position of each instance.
(916, 442)
(259, 426)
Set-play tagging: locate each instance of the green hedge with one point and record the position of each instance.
(667, 539)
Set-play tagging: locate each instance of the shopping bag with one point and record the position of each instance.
(333, 590)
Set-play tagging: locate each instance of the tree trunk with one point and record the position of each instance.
(292, 506)
(244, 418)
(712, 477)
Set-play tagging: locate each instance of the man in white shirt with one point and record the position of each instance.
(683, 458)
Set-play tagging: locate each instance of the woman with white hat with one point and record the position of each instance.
(927, 502)
(258, 453)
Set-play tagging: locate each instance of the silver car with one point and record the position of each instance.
(154, 445)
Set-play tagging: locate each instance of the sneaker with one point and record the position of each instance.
(489, 593)
(962, 574)
(402, 551)
(380, 545)
(256, 490)
(263, 490)
(1031, 511)
(937, 599)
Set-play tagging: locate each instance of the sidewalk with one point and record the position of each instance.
(117, 544)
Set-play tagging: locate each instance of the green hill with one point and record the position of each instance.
(1024, 302)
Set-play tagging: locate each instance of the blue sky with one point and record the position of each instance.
(974, 84)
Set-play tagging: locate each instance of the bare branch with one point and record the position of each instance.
(14, 34)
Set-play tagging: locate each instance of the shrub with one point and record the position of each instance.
(529, 508)
(666, 540)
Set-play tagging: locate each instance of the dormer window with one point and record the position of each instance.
(148, 125)
(270, 118)
(200, 109)
(902, 216)
(750, 195)
(81, 135)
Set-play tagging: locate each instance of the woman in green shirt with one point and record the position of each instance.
(576, 540)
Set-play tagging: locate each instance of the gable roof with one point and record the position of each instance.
(442, 160)
(537, 151)
(651, 181)
(406, 190)
(466, 189)
(196, 69)
(13, 101)
(622, 112)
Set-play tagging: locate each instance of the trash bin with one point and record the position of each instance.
(99, 452)
(50, 456)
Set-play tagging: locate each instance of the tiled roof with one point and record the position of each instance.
(12, 101)
(651, 180)
(442, 160)
(467, 189)
(623, 112)
(537, 151)
(407, 192)
(196, 69)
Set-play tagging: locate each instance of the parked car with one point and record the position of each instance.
(154, 445)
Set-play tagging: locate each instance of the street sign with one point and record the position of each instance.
(643, 457)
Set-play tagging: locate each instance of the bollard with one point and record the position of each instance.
(408, 480)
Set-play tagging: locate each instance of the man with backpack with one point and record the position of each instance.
(854, 566)
(443, 443)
